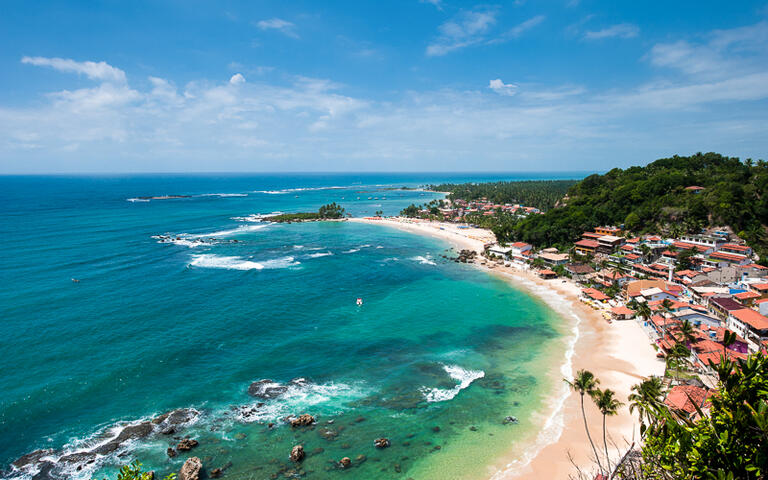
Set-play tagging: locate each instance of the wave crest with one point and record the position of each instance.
(464, 376)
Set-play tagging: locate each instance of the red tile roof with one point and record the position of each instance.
(751, 318)
(595, 294)
(686, 398)
(738, 248)
(727, 256)
(586, 243)
(622, 311)
(747, 295)
(632, 256)
(760, 287)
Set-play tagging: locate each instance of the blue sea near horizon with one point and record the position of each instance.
(182, 303)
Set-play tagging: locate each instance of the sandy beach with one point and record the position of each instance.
(619, 354)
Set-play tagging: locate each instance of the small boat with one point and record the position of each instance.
(74, 280)
(359, 301)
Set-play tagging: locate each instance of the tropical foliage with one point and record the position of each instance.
(541, 194)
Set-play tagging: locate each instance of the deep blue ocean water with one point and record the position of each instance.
(184, 302)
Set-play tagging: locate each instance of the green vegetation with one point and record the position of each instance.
(326, 212)
(729, 443)
(542, 194)
(133, 472)
(654, 198)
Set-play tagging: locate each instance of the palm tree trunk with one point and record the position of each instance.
(589, 437)
(605, 444)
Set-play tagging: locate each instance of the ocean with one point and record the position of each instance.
(117, 309)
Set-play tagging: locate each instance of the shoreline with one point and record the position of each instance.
(619, 354)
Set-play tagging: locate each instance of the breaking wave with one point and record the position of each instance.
(464, 376)
(240, 263)
(423, 260)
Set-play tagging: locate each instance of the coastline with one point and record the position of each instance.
(619, 354)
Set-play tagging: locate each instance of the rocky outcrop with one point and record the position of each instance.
(268, 389)
(381, 443)
(186, 444)
(302, 420)
(191, 469)
(345, 462)
(509, 420)
(297, 453)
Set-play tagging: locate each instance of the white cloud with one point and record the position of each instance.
(468, 28)
(621, 30)
(525, 26)
(438, 4)
(283, 26)
(508, 89)
(93, 70)
(237, 79)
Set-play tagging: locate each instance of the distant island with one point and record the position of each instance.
(332, 211)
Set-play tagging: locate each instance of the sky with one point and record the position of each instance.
(401, 85)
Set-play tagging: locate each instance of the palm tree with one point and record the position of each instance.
(687, 333)
(608, 405)
(643, 310)
(585, 382)
(646, 251)
(646, 394)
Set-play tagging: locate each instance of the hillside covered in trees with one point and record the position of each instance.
(542, 194)
(655, 198)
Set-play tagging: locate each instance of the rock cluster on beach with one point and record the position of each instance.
(464, 256)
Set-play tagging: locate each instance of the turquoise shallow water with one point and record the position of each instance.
(436, 356)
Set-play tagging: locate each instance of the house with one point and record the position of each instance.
(632, 257)
(719, 259)
(747, 298)
(695, 189)
(736, 248)
(717, 334)
(723, 306)
(697, 318)
(554, 258)
(579, 272)
(635, 287)
(500, 251)
(707, 240)
(761, 288)
(687, 400)
(656, 294)
(608, 244)
(608, 277)
(622, 313)
(596, 295)
(520, 250)
(615, 231)
(749, 324)
(547, 274)
(586, 247)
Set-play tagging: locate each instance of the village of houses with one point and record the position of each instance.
(722, 290)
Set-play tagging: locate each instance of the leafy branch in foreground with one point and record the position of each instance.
(133, 472)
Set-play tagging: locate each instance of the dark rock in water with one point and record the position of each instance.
(510, 419)
(270, 425)
(473, 428)
(79, 457)
(302, 420)
(133, 432)
(45, 473)
(345, 462)
(328, 434)
(31, 458)
(170, 430)
(239, 436)
(361, 458)
(170, 452)
(216, 473)
(266, 389)
(381, 443)
(297, 453)
(359, 419)
(435, 429)
(191, 469)
(186, 444)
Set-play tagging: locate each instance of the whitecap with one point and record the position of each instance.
(137, 200)
(224, 195)
(255, 217)
(464, 376)
(233, 231)
(239, 263)
(352, 250)
(320, 254)
(423, 260)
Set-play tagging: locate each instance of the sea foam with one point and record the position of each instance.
(464, 376)
(239, 263)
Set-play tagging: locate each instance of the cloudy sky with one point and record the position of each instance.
(401, 85)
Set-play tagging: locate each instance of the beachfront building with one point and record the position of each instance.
(500, 251)
(579, 272)
(547, 274)
(622, 313)
(553, 258)
(520, 250)
(595, 295)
